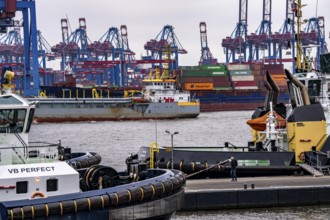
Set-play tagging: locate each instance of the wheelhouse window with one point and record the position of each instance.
(13, 119)
(52, 185)
(21, 187)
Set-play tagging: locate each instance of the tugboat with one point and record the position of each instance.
(48, 181)
(286, 140)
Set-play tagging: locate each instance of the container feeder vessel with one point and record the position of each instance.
(160, 100)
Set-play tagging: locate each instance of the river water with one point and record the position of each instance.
(115, 140)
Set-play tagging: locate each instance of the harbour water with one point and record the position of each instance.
(115, 140)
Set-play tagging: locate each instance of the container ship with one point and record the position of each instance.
(222, 87)
(233, 86)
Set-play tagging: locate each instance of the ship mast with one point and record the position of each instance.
(301, 60)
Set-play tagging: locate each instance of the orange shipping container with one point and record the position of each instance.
(277, 77)
(199, 86)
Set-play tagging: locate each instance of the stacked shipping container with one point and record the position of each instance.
(231, 87)
(205, 78)
(241, 76)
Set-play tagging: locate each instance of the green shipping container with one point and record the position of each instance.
(223, 88)
(214, 68)
(197, 73)
(220, 73)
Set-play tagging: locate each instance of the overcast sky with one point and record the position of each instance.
(146, 18)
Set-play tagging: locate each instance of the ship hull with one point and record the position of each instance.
(210, 162)
(222, 100)
(157, 197)
(66, 110)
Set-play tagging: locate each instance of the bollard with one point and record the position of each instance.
(252, 186)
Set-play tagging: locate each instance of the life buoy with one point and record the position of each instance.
(302, 156)
(37, 195)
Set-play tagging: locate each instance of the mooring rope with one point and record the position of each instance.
(200, 171)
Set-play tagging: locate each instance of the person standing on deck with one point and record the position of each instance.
(233, 166)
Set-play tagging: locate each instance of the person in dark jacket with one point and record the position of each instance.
(233, 166)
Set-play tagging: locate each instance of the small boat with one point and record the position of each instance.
(39, 181)
(161, 100)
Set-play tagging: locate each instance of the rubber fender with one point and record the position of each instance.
(124, 197)
(98, 202)
(55, 208)
(187, 168)
(176, 183)
(200, 166)
(159, 189)
(168, 186)
(40, 210)
(137, 194)
(148, 192)
(68, 206)
(181, 178)
(114, 199)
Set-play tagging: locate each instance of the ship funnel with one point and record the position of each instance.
(273, 91)
(298, 91)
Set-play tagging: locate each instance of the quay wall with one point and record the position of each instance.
(198, 200)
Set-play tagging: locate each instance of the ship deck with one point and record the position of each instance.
(259, 182)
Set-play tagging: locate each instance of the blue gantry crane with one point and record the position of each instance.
(164, 41)
(12, 47)
(8, 11)
(236, 44)
(285, 38)
(261, 39)
(46, 75)
(74, 46)
(206, 57)
(313, 35)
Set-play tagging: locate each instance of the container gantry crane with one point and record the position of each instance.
(164, 41)
(73, 46)
(236, 44)
(8, 11)
(260, 40)
(110, 45)
(44, 54)
(314, 36)
(285, 38)
(128, 53)
(12, 47)
(206, 57)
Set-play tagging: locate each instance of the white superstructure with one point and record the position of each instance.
(28, 172)
(163, 90)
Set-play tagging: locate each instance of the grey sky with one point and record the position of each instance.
(146, 18)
